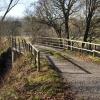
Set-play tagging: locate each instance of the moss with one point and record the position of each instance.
(47, 82)
(36, 98)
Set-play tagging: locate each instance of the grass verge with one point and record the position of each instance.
(78, 55)
(25, 83)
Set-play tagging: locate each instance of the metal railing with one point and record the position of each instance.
(70, 44)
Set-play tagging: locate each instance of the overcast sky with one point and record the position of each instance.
(19, 10)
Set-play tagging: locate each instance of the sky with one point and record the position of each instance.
(19, 10)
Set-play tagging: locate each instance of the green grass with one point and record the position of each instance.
(79, 55)
(47, 81)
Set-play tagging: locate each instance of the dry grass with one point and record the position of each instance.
(25, 83)
(4, 45)
(84, 57)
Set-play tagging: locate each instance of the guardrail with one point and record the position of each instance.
(74, 44)
(22, 46)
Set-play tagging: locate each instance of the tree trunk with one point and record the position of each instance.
(88, 23)
(67, 27)
(87, 31)
(67, 30)
(58, 31)
(7, 10)
(90, 40)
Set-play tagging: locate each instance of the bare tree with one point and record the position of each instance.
(67, 7)
(12, 3)
(47, 14)
(91, 7)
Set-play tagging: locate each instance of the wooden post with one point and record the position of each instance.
(71, 45)
(12, 42)
(63, 43)
(31, 49)
(23, 45)
(26, 47)
(12, 54)
(94, 47)
(19, 46)
(94, 50)
(38, 61)
(93, 53)
(34, 57)
(15, 43)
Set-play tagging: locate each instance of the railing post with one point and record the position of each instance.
(31, 49)
(12, 55)
(71, 45)
(93, 53)
(95, 47)
(63, 43)
(38, 61)
(94, 50)
(26, 47)
(58, 41)
(18, 44)
(11, 42)
(29, 46)
(34, 57)
(23, 45)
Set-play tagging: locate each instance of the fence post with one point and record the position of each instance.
(26, 46)
(38, 61)
(19, 45)
(71, 45)
(94, 50)
(11, 42)
(31, 49)
(95, 47)
(34, 57)
(63, 43)
(22, 42)
(12, 55)
(93, 53)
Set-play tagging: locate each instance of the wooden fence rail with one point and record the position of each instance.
(4, 46)
(22, 46)
(74, 45)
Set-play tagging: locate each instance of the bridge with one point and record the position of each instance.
(84, 77)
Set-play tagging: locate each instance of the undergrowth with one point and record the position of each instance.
(82, 56)
(25, 83)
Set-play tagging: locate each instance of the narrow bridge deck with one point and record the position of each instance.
(83, 77)
(85, 80)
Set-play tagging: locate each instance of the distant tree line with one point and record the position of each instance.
(71, 19)
(8, 26)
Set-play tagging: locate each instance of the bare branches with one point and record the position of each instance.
(91, 7)
(48, 14)
(12, 3)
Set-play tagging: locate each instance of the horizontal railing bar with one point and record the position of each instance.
(71, 40)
